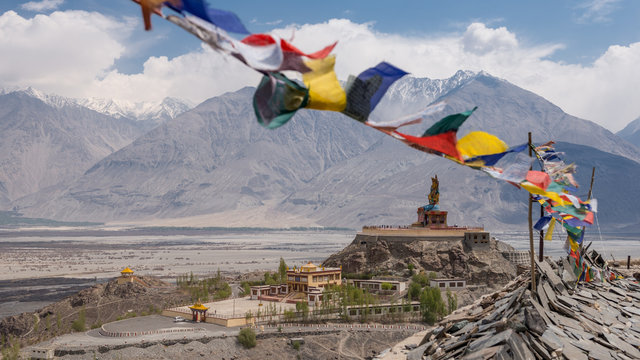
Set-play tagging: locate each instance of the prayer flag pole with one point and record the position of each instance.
(541, 250)
(593, 173)
(531, 250)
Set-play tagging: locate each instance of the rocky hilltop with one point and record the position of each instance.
(449, 257)
(91, 308)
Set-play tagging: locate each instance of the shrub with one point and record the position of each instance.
(296, 345)
(247, 337)
(80, 323)
(386, 286)
(304, 308)
(289, 315)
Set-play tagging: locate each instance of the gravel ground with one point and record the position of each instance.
(341, 345)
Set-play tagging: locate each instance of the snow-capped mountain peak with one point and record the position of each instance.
(151, 112)
(154, 111)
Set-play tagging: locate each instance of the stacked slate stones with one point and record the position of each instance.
(563, 319)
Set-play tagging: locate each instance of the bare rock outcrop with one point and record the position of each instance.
(449, 257)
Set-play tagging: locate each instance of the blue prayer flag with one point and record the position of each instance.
(225, 20)
(365, 91)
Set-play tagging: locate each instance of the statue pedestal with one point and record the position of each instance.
(431, 218)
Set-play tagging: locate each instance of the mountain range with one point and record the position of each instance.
(631, 132)
(215, 166)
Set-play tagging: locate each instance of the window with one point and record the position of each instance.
(460, 284)
(441, 284)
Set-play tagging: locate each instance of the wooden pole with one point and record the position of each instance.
(531, 250)
(593, 173)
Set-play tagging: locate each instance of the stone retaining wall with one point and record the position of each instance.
(104, 332)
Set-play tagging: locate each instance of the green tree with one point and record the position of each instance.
(247, 337)
(431, 305)
(80, 323)
(386, 286)
(303, 307)
(10, 348)
(452, 301)
(289, 315)
(414, 290)
(246, 287)
(282, 271)
(268, 279)
(411, 267)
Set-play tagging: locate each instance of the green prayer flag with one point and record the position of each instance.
(449, 123)
(277, 99)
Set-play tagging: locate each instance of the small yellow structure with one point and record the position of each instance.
(126, 276)
(312, 276)
(199, 312)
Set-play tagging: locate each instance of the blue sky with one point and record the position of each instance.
(581, 55)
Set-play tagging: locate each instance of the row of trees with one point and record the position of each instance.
(213, 288)
(432, 307)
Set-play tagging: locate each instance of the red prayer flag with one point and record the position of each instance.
(444, 143)
(539, 178)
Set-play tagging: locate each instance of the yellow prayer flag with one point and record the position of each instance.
(549, 233)
(574, 245)
(538, 191)
(478, 143)
(325, 92)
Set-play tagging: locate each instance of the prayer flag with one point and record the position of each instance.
(325, 92)
(539, 178)
(477, 143)
(542, 222)
(492, 159)
(365, 91)
(449, 123)
(549, 234)
(277, 99)
(225, 20)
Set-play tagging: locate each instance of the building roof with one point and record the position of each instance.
(198, 306)
(126, 271)
(310, 268)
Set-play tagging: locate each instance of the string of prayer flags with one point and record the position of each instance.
(365, 91)
(261, 52)
(277, 99)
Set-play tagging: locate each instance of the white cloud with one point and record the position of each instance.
(597, 10)
(72, 54)
(42, 5)
(62, 52)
